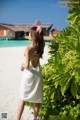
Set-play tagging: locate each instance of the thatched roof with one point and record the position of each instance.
(37, 22)
(25, 27)
(10, 26)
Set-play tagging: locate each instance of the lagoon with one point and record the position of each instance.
(17, 43)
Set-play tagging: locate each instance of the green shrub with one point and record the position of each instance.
(61, 75)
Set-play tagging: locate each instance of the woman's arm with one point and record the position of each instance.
(26, 64)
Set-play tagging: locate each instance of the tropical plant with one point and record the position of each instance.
(61, 75)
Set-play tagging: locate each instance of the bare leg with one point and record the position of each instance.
(20, 109)
(36, 110)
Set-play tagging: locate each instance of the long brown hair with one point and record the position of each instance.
(37, 37)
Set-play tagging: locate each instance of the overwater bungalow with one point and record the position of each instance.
(55, 32)
(20, 31)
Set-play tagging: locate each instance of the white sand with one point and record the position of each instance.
(10, 75)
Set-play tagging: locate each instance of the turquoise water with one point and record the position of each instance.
(17, 43)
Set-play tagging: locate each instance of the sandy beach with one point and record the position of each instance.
(10, 75)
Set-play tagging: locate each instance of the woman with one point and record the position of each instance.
(31, 84)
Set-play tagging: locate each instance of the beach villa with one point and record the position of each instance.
(21, 31)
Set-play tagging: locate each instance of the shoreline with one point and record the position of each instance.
(46, 38)
(10, 60)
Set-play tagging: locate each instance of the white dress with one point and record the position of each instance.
(31, 89)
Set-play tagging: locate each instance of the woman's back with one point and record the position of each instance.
(33, 57)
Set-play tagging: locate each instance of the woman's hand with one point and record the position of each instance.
(22, 67)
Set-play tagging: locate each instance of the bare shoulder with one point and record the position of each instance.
(27, 49)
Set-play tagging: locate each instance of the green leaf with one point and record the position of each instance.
(74, 88)
(74, 20)
(52, 117)
(65, 86)
(71, 16)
